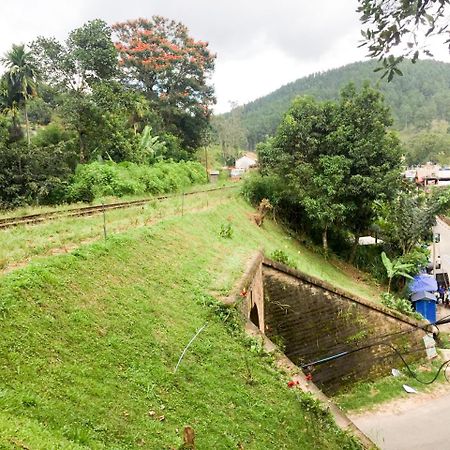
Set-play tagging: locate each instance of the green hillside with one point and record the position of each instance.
(419, 97)
(90, 341)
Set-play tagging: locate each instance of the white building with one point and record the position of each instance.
(246, 162)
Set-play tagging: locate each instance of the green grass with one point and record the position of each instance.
(22, 243)
(90, 341)
(25, 243)
(443, 340)
(364, 396)
(27, 210)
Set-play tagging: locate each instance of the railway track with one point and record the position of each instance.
(32, 219)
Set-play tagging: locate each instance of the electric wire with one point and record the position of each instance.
(445, 364)
(446, 319)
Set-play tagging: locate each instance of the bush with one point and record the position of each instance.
(226, 231)
(281, 257)
(400, 304)
(368, 259)
(36, 175)
(102, 179)
(257, 187)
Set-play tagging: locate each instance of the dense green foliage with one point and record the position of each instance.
(34, 175)
(406, 221)
(97, 180)
(335, 159)
(23, 182)
(416, 99)
(81, 100)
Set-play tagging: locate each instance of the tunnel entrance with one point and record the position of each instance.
(254, 315)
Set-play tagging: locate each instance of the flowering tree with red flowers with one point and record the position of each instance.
(159, 57)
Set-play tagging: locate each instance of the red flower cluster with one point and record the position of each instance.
(292, 383)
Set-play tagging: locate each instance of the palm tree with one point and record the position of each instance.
(21, 78)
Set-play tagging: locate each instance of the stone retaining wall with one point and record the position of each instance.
(315, 320)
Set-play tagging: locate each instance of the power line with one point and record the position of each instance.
(442, 321)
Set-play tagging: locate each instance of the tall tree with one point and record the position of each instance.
(362, 135)
(21, 77)
(302, 156)
(88, 57)
(336, 158)
(230, 133)
(172, 69)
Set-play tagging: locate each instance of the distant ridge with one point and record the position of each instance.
(416, 99)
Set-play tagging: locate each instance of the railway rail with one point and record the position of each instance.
(32, 219)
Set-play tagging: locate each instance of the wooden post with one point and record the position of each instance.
(188, 438)
(206, 164)
(182, 204)
(104, 221)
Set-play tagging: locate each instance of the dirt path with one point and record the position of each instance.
(418, 422)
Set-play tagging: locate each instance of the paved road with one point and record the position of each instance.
(419, 423)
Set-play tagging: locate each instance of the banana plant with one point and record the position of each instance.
(396, 268)
(151, 146)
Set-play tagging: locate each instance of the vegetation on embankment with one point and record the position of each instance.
(22, 244)
(99, 179)
(90, 341)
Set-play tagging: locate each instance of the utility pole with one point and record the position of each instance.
(434, 256)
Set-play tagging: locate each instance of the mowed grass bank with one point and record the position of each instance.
(90, 341)
(21, 244)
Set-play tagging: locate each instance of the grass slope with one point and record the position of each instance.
(20, 244)
(90, 341)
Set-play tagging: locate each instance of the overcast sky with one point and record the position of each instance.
(260, 44)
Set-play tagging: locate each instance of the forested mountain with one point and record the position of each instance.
(417, 98)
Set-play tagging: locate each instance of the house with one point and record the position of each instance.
(247, 161)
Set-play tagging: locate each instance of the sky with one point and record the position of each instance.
(260, 44)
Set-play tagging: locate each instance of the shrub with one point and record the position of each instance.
(368, 258)
(399, 304)
(281, 257)
(36, 175)
(101, 179)
(257, 187)
(226, 230)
